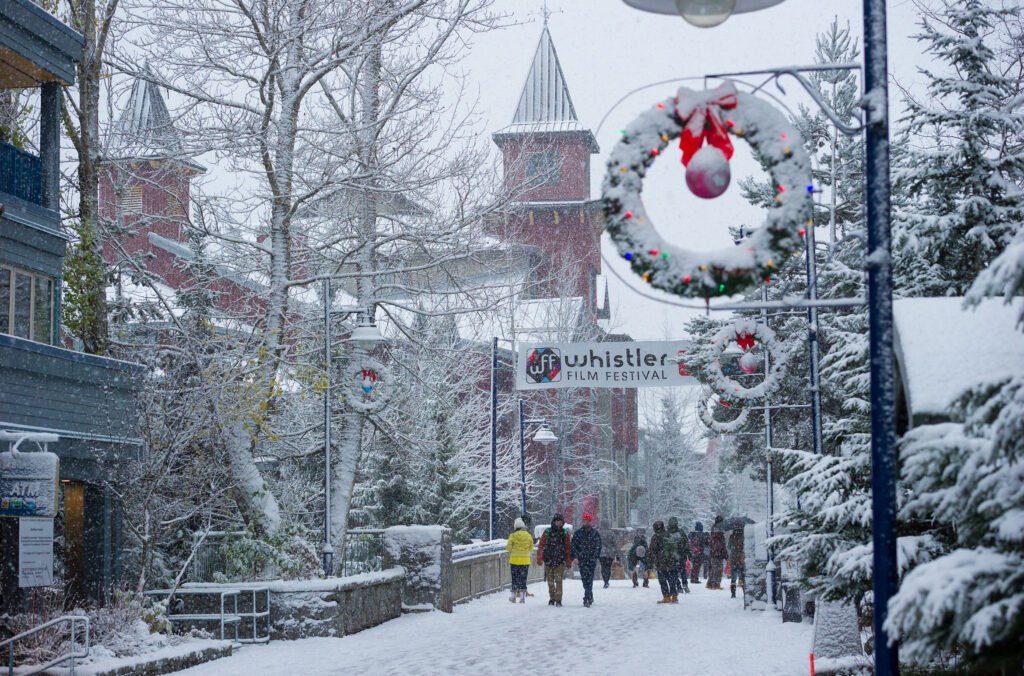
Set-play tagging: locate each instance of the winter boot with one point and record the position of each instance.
(513, 596)
(632, 576)
(686, 589)
(522, 596)
(645, 583)
(732, 590)
(675, 598)
(558, 604)
(606, 585)
(665, 599)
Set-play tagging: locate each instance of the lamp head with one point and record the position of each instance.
(366, 335)
(544, 435)
(702, 13)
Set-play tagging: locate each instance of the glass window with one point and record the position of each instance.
(543, 168)
(5, 300)
(26, 304)
(42, 310)
(22, 305)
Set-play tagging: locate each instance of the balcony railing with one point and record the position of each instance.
(20, 173)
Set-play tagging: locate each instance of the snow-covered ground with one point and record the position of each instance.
(705, 633)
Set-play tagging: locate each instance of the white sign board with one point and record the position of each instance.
(627, 365)
(35, 553)
(28, 484)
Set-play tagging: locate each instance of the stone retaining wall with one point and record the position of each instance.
(329, 607)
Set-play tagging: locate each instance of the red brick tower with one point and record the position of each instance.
(145, 189)
(546, 154)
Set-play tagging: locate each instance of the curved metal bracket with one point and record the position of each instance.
(814, 94)
(796, 72)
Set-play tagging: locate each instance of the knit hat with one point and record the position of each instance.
(587, 516)
(673, 523)
(520, 524)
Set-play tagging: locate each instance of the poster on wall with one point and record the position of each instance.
(622, 365)
(28, 484)
(35, 552)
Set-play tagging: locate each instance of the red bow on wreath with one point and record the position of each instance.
(745, 340)
(699, 112)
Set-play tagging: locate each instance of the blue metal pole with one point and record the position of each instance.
(522, 456)
(494, 439)
(812, 340)
(880, 331)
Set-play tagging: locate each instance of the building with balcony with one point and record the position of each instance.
(88, 401)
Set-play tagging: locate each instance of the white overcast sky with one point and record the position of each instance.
(608, 49)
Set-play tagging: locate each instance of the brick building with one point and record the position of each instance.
(547, 160)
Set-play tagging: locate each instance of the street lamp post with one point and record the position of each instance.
(363, 338)
(544, 436)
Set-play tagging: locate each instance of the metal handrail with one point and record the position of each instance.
(71, 619)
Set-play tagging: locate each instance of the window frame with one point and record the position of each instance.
(12, 271)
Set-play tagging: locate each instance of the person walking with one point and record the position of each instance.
(737, 559)
(718, 553)
(553, 553)
(665, 553)
(609, 553)
(637, 557)
(676, 538)
(697, 552)
(586, 548)
(519, 546)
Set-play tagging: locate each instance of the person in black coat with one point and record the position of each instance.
(665, 559)
(586, 548)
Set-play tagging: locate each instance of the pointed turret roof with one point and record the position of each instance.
(545, 105)
(145, 129)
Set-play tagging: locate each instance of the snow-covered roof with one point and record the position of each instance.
(145, 129)
(944, 348)
(545, 96)
(545, 106)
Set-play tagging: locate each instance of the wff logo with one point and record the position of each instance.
(544, 365)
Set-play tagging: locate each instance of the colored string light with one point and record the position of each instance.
(628, 214)
(629, 256)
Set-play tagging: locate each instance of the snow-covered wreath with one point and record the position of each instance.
(746, 333)
(365, 390)
(706, 407)
(698, 118)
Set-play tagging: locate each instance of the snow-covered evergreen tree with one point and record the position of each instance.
(965, 203)
(966, 480)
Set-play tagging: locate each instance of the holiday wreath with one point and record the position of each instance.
(698, 118)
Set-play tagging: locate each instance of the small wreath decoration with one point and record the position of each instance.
(365, 391)
(746, 333)
(706, 410)
(695, 117)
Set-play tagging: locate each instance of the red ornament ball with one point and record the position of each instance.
(748, 362)
(707, 174)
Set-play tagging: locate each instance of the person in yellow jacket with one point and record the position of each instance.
(519, 545)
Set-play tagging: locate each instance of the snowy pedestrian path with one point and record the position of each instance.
(706, 633)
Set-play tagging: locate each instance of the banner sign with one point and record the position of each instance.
(35, 552)
(28, 484)
(625, 365)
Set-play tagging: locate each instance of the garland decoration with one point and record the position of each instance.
(706, 408)
(704, 122)
(364, 388)
(745, 333)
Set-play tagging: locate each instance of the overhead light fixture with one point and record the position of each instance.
(702, 13)
(366, 335)
(545, 436)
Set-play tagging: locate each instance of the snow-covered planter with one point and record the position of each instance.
(425, 552)
(684, 272)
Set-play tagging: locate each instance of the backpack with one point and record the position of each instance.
(554, 550)
(670, 548)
